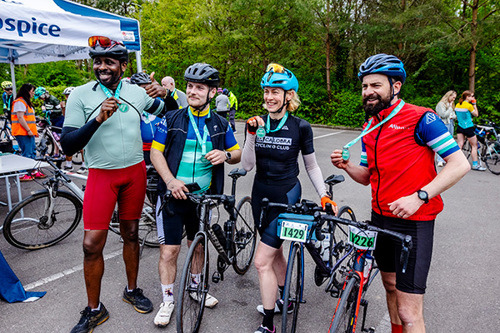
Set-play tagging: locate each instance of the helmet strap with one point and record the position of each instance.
(201, 108)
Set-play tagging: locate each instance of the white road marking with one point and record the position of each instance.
(324, 136)
(66, 272)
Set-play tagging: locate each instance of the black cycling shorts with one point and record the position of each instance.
(468, 132)
(388, 251)
(170, 227)
(283, 193)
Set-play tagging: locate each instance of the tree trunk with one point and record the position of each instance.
(473, 49)
(328, 83)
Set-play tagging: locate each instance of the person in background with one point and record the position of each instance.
(276, 178)
(24, 126)
(445, 110)
(234, 107)
(222, 104)
(179, 96)
(7, 97)
(465, 109)
(69, 158)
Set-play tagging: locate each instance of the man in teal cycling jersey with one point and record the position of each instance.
(190, 146)
(104, 118)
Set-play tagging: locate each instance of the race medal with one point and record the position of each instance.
(123, 107)
(345, 154)
(261, 132)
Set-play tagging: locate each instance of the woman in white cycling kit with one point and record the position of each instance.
(273, 143)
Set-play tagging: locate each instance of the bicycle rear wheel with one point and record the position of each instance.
(40, 221)
(466, 149)
(244, 236)
(492, 157)
(292, 290)
(344, 318)
(147, 226)
(191, 298)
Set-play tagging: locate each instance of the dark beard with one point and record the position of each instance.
(373, 110)
(115, 78)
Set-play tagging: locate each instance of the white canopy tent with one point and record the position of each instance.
(37, 31)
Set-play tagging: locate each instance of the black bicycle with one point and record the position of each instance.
(326, 243)
(235, 243)
(488, 146)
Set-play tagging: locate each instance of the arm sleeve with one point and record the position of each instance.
(315, 174)
(153, 105)
(431, 131)
(248, 154)
(73, 139)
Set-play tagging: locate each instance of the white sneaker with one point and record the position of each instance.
(82, 170)
(278, 307)
(162, 318)
(210, 301)
(440, 164)
(478, 168)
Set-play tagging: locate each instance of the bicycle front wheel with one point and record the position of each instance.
(492, 157)
(244, 236)
(40, 221)
(344, 318)
(466, 149)
(292, 290)
(191, 298)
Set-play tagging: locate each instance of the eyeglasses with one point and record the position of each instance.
(8, 89)
(103, 41)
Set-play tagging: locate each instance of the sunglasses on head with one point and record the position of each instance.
(276, 68)
(102, 41)
(8, 89)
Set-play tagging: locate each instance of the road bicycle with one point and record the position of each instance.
(50, 215)
(6, 137)
(234, 242)
(326, 245)
(359, 272)
(488, 142)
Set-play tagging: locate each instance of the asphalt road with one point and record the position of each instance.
(462, 294)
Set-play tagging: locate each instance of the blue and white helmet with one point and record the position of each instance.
(383, 64)
(278, 76)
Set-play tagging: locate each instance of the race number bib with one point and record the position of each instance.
(294, 231)
(362, 239)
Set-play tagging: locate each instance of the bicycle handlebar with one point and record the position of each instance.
(227, 200)
(406, 240)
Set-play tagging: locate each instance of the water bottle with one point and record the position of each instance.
(219, 234)
(325, 248)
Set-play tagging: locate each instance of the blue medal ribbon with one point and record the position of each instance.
(202, 141)
(280, 125)
(367, 130)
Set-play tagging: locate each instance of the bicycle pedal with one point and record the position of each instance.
(216, 277)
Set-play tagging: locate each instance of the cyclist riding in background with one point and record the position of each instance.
(190, 146)
(104, 117)
(7, 97)
(465, 109)
(273, 144)
(399, 142)
(51, 106)
(149, 122)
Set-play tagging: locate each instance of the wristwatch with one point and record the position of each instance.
(424, 196)
(228, 156)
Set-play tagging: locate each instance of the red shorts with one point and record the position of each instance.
(106, 187)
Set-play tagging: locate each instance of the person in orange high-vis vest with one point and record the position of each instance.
(24, 125)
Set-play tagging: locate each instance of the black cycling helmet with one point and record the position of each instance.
(202, 73)
(116, 51)
(140, 78)
(383, 64)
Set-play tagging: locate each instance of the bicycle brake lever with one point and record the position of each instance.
(405, 252)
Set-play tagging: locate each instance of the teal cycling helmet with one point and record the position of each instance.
(385, 64)
(278, 76)
(39, 92)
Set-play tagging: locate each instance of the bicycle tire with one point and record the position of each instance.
(344, 320)
(492, 157)
(32, 233)
(292, 290)
(189, 312)
(244, 236)
(147, 228)
(466, 149)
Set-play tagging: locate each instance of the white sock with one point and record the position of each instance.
(195, 279)
(98, 308)
(83, 165)
(68, 164)
(167, 291)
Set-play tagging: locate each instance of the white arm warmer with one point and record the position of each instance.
(248, 153)
(315, 173)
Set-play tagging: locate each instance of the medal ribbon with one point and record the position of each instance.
(202, 141)
(280, 125)
(367, 130)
